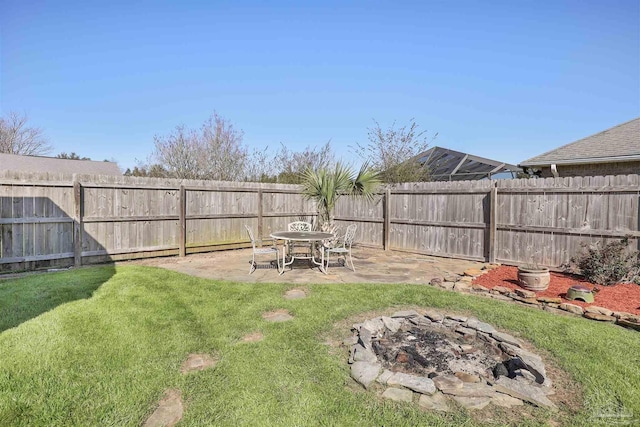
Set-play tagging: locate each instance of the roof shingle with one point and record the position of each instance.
(613, 144)
(18, 163)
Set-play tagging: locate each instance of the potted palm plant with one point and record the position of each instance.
(326, 186)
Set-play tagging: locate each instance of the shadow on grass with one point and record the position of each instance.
(27, 297)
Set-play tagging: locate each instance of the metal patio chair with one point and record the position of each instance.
(261, 251)
(298, 226)
(343, 247)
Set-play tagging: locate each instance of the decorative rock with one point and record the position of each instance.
(531, 361)
(472, 402)
(435, 402)
(448, 285)
(525, 374)
(457, 318)
(398, 394)
(466, 331)
(628, 323)
(501, 289)
(599, 317)
(295, 294)
(500, 370)
(447, 382)
(436, 281)
(362, 354)
(532, 301)
(462, 286)
(466, 279)
(453, 278)
(391, 324)
(492, 266)
(598, 310)
(523, 391)
(480, 326)
(471, 390)
(502, 337)
(571, 308)
(405, 314)
(419, 384)
(473, 272)
(365, 373)
(550, 300)
(169, 411)
(375, 325)
(420, 321)
(525, 293)
(384, 376)
(277, 316)
(479, 288)
(364, 337)
(506, 401)
(467, 378)
(434, 316)
(350, 341)
(623, 315)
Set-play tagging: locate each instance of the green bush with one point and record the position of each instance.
(609, 264)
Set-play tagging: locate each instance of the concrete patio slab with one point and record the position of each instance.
(372, 266)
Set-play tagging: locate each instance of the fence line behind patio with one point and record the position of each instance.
(59, 220)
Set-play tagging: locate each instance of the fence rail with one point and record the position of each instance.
(59, 220)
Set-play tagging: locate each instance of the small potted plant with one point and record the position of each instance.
(534, 277)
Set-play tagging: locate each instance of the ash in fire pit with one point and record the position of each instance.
(433, 356)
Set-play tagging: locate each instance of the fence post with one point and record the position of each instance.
(387, 220)
(78, 229)
(182, 200)
(260, 213)
(493, 226)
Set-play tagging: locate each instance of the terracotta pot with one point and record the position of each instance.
(534, 278)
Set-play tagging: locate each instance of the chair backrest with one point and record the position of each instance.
(350, 235)
(250, 231)
(299, 226)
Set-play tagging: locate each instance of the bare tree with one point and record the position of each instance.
(215, 151)
(72, 156)
(17, 137)
(393, 152)
(286, 166)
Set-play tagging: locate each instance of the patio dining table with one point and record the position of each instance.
(312, 237)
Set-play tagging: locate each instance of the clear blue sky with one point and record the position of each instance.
(506, 80)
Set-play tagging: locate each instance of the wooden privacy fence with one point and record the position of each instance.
(56, 220)
(517, 221)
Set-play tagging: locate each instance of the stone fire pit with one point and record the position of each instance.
(434, 358)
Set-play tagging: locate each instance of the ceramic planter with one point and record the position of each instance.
(534, 279)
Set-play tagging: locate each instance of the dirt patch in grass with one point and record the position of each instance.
(253, 337)
(622, 297)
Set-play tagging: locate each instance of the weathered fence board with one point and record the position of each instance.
(47, 221)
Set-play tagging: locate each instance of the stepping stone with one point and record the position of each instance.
(169, 411)
(398, 394)
(295, 294)
(253, 337)
(197, 362)
(277, 316)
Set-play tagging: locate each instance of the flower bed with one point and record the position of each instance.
(622, 297)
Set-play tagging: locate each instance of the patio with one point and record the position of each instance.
(372, 266)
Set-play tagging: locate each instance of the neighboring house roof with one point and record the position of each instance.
(618, 144)
(450, 165)
(18, 163)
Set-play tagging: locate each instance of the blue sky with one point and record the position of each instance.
(506, 80)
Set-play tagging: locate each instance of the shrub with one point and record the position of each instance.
(609, 264)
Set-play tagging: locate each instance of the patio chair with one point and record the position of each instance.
(297, 226)
(343, 248)
(261, 251)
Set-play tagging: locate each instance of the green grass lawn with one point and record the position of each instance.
(104, 352)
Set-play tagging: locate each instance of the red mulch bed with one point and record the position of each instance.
(622, 297)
